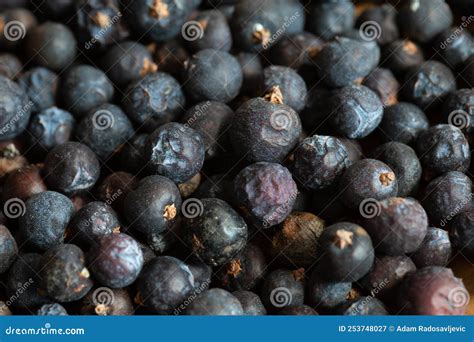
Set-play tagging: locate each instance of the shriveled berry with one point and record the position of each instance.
(435, 250)
(41, 86)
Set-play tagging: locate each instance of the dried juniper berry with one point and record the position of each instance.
(297, 310)
(399, 226)
(99, 23)
(132, 156)
(363, 306)
(45, 219)
(346, 252)
(215, 302)
(10, 66)
(435, 250)
(201, 272)
(23, 276)
(356, 111)
(384, 84)
(327, 18)
(263, 129)
(41, 86)
(91, 222)
(296, 240)
(104, 129)
(84, 88)
(324, 294)
(16, 14)
(212, 32)
(255, 23)
(454, 46)
(213, 75)
(355, 60)
(116, 260)
(8, 249)
(164, 284)
(160, 20)
(56, 44)
(71, 167)
(458, 109)
(443, 148)
(367, 179)
(283, 288)
(266, 192)
(175, 151)
(462, 232)
(383, 20)
(427, 85)
(290, 84)
(126, 62)
(386, 275)
(433, 290)
(107, 302)
(400, 55)
(446, 195)
(49, 128)
(320, 161)
(251, 303)
(245, 271)
(15, 107)
(153, 100)
(252, 72)
(188, 187)
(215, 233)
(403, 122)
(54, 309)
(153, 205)
(212, 120)
(171, 57)
(422, 20)
(23, 183)
(115, 187)
(64, 276)
(404, 162)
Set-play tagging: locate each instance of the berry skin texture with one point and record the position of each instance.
(433, 290)
(266, 192)
(331, 18)
(71, 167)
(403, 122)
(320, 161)
(384, 84)
(324, 294)
(104, 129)
(357, 111)
(213, 75)
(399, 227)
(215, 302)
(153, 205)
(404, 162)
(297, 310)
(10, 66)
(457, 50)
(45, 219)
(49, 128)
(422, 20)
(401, 55)
(115, 187)
(154, 100)
(355, 60)
(218, 234)
(296, 241)
(41, 86)
(462, 232)
(283, 288)
(8, 249)
(251, 303)
(15, 107)
(56, 43)
(264, 131)
(84, 88)
(457, 109)
(346, 252)
(252, 72)
(289, 82)
(446, 196)
(427, 85)
(164, 284)
(435, 250)
(93, 221)
(443, 148)
(116, 260)
(23, 183)
(52, 310)
(64, 276)
(364, 306)
(367, 179)
(175, 151)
